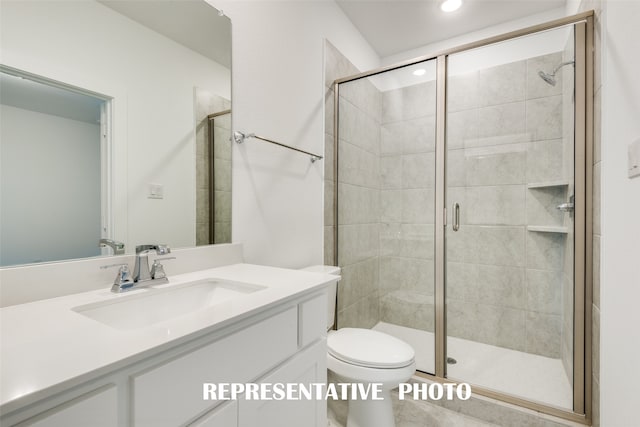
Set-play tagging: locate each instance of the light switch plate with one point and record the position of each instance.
(156, 191)
(634, 159)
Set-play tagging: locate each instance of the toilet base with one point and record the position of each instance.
(371, 413)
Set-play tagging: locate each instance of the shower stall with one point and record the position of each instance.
(462, 212)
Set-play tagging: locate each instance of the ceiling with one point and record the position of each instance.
(192, 23)
(394, 26)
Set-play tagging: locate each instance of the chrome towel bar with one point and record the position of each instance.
(239, 138)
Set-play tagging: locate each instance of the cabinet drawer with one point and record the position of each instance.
(99, 409)
(171, 394)
(223, 416)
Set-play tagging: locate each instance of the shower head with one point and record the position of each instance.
(551, 78)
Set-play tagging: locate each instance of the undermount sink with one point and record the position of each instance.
(156, 305)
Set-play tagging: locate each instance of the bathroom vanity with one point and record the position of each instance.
(140, 358)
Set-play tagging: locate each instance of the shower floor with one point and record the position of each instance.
(517, 373)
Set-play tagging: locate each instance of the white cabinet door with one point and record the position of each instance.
(96, 409)
(223, 416)
(307, 367)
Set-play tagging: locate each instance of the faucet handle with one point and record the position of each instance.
(157, 269)
(123, 280)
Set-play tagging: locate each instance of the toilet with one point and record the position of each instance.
(357, 355)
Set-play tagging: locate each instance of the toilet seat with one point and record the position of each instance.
(369, 349)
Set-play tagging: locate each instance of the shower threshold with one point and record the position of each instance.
(529, 376)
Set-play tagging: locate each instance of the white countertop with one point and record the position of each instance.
(46, 347)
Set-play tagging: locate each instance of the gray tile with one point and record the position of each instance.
(545, 161)
(392, 105)
(419, 100)
(536, 87)
(409, 309)
(489, 324)
(391, 206)
(462, 129)
(502, 84)
(417, 241)
(336, 65)
(418, 206)
(501, 124)
(329, 249)
(221, 143)
(329, 189)
(419, 135)
(202, 206)
(542, 205)
(544, 250)
(543, 334)
(392, 137)
(222, 207)
(357, 243)
(497, 165)
(358, 205)
(595, 405)
(462, 92)
(357, 166)
(390, 239)
(418, 170)
(498, 285)
(544, 291)
(499, 245)
(391, 172)
(363, 314)
(363, 94)
(462, 245)
(222, 232)
(544, 118)
(456, 172)
(358, 281)
(495, 205)
(409, 274)
(329, 111)
(461, 280)
(329, 172)
(222, 174)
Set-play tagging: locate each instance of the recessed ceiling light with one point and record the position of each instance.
(450, 5)
(419, 72)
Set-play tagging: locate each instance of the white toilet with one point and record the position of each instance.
(358, 355)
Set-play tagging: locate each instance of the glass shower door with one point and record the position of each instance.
(510, 239)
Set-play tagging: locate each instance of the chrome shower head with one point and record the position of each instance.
(549, 78)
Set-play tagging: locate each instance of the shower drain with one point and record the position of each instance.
(451, 361)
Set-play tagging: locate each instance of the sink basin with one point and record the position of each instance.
(157, 305)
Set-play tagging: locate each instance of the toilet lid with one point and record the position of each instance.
(372, 349)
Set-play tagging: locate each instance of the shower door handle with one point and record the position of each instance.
(456, 217)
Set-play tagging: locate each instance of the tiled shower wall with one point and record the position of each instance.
(407, 169)
(207, 103)
(505, 131)
(504, 280)
(359, 207)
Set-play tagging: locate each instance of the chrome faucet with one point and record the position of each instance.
(118, 247)
(141, 271)
(142, 277)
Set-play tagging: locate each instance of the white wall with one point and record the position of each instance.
(278, 93)
(49, 187)
(151, 78)
(620, 210)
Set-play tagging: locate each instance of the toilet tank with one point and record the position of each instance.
(331, 295)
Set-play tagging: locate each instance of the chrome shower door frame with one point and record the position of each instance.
(583, 164)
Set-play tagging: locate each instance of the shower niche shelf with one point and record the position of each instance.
(548, 229)
(548, 184)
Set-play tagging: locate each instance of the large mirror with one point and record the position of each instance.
(116, 118)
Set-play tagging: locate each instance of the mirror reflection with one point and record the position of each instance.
(106, 142)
